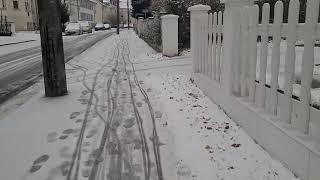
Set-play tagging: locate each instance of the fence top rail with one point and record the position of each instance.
(284, 30)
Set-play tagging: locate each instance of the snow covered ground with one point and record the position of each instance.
(40, 136)
(20, 37)
(32, 37)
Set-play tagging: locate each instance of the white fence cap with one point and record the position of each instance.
(199, 7)
(170, 16)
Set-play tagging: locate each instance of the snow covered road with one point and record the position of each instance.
(130, 115)
(21, 68)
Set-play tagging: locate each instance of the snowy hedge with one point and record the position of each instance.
(180, 8)
(151, 33)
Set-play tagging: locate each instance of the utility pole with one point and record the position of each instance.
(52, 48)
(118, 16)
(78, 9)
(128, 14)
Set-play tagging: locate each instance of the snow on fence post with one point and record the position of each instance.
(169, 34)
(253, 31)
(275, 63)
(214, 45)
(237, 55)
(264, 55)
(205, 43)
(293, 19)
(210, 57)
(140, 24)
(199, 17)
(219, 47)
(308, 61)
(244, 50)
(229, 47)
(13, 28)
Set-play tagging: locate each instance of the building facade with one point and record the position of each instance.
(19, 12)
(110, 12)
(124, 15)
(81, 10)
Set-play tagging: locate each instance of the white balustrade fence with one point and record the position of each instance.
(229, 61)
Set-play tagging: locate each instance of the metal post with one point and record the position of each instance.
(118, 16)
(128, 14)
(78, 9)
(52, 48)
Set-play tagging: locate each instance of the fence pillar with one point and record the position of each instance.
(13, 29)
(199, 19)
(139, 28)
(169, 35)
(230, 30)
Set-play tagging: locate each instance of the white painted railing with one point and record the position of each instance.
(207, 46)
(292, 31)
(226, 52)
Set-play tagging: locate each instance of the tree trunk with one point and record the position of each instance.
(52, 48)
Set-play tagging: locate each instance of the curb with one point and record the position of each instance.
(16, 43)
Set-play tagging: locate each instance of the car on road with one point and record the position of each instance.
(99, 27)
(86, 27)
(73, 29)
(107, 26)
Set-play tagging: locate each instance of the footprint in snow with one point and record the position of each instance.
(89, 163)
(41, 159)
(63, 137)
(74, 115)
(158, 114)
(83, 101)
(137, 168)
(139, 104)
(184, 172)
(85, 173)
(52, 137)
(78, 121)
(64, 167)
(67, 131)
(123, 95)
(129, 176)
(38, 163)
(91, 133)
(129, 123)
(65, 153)
(85, 92)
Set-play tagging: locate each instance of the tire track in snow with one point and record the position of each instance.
(145, 148)
(76, 157)
(155, 137)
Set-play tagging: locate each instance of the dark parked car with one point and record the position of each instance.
(100, 27)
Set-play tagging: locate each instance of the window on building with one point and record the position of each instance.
(3, 4)
(15, 5)
(26, 6)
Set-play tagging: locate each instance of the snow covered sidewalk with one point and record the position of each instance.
(130, 114)
(19, 38)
